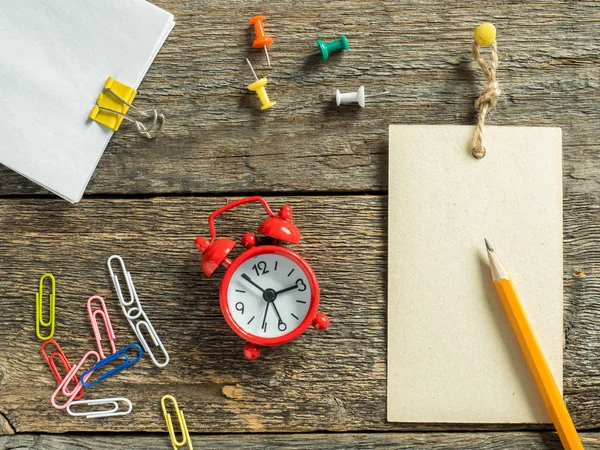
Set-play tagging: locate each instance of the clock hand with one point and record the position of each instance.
(265, 316)
(277, 312)
(247, 278)
(287, 289)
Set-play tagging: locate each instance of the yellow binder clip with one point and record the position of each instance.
(39, 318)
(112, 107)
(182, 425)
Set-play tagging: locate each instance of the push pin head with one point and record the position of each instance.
(332, 47)
(262, 40)
(259, 87)
(485, 34)
(351, 97)
(345, 98)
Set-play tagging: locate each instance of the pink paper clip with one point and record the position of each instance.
(58, 353)
(63, 384)
(104, 313)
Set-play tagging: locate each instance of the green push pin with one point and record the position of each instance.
(332, 47)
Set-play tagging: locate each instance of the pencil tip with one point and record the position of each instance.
(488, 245)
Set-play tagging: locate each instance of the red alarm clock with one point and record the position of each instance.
(269, 294)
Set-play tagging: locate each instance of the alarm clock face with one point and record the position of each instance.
(270, 295)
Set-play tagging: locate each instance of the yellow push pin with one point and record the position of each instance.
(485, 34)
(259, 87)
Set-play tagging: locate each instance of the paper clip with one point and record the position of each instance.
(157, 342)
(120, 354)
(113, 104)
(58, 353)
(63, 384)
(102, 401)
(133, 312)
(103, 312)
(182, 425)
(39, 318)
(133, 298)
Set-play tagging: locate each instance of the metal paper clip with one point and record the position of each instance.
(103, 312)
(157, 342)
(103, 362)
(134, 301)
(58, 353)
(63, 384)
(182, 425)
(134, 313)
(39, 318)
(102, 401)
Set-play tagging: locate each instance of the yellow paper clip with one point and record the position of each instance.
(113, 104)
(182, 425)
(39, 318)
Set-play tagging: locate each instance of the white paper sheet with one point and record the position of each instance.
(452, 355)
(55, 57)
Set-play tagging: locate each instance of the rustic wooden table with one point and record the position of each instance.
(148, 200)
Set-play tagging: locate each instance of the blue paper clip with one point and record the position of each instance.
(119, 354)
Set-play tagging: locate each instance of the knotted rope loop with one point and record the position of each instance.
(489, 96)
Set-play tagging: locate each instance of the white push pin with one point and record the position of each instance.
(346, 98)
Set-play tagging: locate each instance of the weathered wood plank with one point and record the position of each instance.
(332, 381)
(216, 140)
(5, 427)
(334, 441)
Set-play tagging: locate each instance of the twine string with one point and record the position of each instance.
(489, 96)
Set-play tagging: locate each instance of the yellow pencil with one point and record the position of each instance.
(533, 354)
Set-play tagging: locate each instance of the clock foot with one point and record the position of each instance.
(251, 351)
(321, 322)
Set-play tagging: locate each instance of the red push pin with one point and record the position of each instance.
(262, 40)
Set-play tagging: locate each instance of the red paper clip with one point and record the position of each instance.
(58, 353)
(63, 384)
(103, 312)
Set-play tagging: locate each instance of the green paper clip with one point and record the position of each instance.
(39, 318)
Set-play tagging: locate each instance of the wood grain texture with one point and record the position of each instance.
(345, 441)
(218, 141)
(5, 427)
(333, 381)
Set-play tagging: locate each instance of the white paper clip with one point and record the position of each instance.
(344, 98)
(135, 314)
(101, 401)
